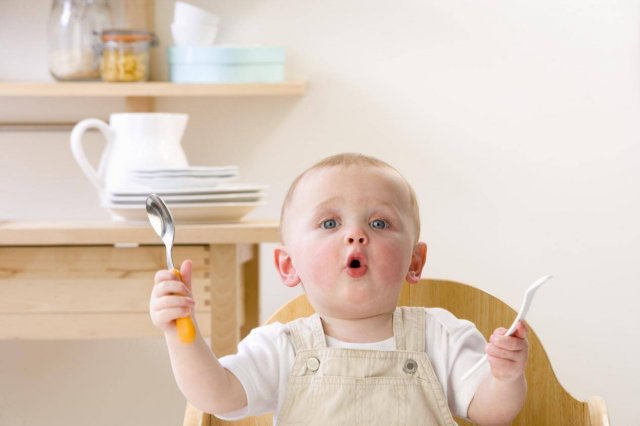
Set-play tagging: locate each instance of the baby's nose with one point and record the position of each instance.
(356, 236)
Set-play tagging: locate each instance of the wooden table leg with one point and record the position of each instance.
(225, 292)
(234, 299)
(251, 296)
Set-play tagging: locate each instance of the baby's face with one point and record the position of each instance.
(350, 235)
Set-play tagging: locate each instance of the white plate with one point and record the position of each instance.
(215, 189)
(191, 169)
(188, 198)
(184, 213)
(137, 184)
(154, 176)
(189, 172)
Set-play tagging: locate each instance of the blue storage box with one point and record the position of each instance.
(226, 64)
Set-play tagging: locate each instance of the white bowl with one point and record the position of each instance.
(193, 34)
(188, 13)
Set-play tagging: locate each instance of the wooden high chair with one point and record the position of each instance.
(547, 402)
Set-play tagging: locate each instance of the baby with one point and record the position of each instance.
(349, 229)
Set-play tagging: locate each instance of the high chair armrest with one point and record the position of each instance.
(195, 417)
(598, 414)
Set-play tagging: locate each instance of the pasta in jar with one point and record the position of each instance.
(125, 55)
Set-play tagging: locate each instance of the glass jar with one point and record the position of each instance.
(73, 35)
(125, 55)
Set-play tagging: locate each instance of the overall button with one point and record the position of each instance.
(410, 366)
(313, 364)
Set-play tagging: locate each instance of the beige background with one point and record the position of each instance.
(516, 121)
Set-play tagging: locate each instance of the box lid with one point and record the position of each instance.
(225, 54)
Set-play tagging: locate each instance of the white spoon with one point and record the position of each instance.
(524, 308)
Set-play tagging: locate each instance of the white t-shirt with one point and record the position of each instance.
(265, 358)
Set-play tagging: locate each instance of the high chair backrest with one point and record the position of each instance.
(547, 402)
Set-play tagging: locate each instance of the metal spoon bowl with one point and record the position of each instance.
(162, 222)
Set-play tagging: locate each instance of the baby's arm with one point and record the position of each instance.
(501, 395)
(203, 381)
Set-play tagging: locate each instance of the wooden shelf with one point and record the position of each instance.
(149, 89)
(139, 97)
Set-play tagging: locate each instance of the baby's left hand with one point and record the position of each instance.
(507, 355)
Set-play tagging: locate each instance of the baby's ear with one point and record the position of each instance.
(418, 260)
(284, 265)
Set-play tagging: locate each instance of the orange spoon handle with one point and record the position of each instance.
(186, 329)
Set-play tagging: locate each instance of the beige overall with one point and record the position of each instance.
(334, 386)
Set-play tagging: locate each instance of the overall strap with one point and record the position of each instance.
(409, 328)
(307, 333)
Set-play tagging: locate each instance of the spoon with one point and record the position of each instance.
(162, 222)
(524, 308)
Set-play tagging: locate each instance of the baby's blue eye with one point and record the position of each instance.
(378, 224)
(328, 224)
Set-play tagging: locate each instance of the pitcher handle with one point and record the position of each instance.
(96, 177)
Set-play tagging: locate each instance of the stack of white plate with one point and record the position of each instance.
(194, 194)
(189, 177)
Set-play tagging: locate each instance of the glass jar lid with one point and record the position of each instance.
(129, 36)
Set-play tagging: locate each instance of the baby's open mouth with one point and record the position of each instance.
(356, 266)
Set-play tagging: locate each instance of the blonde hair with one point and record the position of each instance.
(347, 160)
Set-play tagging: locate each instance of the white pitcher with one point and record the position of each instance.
(134, 141)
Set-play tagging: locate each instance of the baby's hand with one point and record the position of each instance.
(507, 355)
(170, 298)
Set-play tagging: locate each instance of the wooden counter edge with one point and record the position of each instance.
(38, 233)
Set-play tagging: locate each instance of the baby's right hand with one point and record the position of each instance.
(170, 298)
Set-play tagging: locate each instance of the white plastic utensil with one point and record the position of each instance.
(524, 308)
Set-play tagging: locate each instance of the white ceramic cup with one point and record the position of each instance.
(187, 13)
(146, 140)
(193, 34)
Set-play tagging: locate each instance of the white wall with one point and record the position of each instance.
(516, 121)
